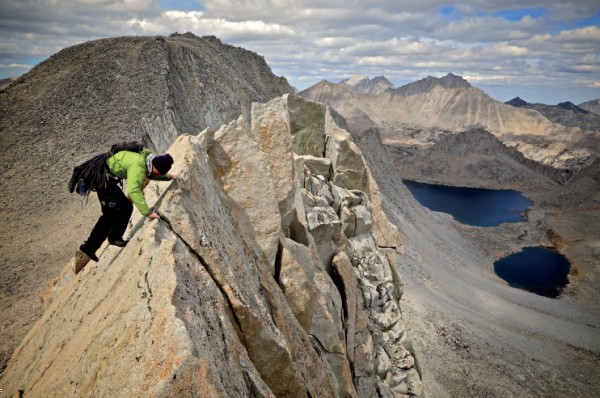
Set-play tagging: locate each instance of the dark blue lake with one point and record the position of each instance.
(536, 269)
(472, 206)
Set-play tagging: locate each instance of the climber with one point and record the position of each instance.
(136, 168)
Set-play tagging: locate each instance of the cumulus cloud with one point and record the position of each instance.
(195, 21)
(16, 66)
(490, 29)
(505, 50)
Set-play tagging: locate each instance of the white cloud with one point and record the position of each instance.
(587, 35)
(194, 21)
(505, 50)
(489, 29)
(334, 42)
(13, 65)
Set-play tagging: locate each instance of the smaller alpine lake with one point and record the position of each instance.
(473, 206)
(536, 269)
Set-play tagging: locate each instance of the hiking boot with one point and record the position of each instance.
(85, 250)
(118, 242)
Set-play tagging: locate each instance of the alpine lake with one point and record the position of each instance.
(539, 270)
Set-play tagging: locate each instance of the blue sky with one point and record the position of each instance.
(541, 50)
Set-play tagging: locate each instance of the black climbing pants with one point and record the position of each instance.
(116, 211)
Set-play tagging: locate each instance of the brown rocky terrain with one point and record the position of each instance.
(362, 84)
(4, 83)
(475, 158)
(75, 105)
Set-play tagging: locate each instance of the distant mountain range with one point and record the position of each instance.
(420, 113)
(565, 113)
(6, 82)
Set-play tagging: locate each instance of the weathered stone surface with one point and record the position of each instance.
(119, 329)
(233, 261)
(318, 186)
(343, 270)
(324, 225)
(242, 168)
(346, 160)
(385, 233)
(296, 278)
(271, 126)
(306, 126)
(58, 284)
(318, 166)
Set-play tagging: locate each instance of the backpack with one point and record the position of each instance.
(91, 174)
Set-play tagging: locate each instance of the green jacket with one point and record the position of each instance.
(132, 167)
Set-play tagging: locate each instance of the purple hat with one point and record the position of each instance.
(162, 163)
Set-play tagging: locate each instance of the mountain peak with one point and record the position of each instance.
(354, 80)
(517, 102)
(453, 81)
(362, 84)
(569, 106)
(450, 81)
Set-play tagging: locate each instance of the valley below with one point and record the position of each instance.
(474, 335)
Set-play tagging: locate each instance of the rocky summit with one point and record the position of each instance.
(271, 273)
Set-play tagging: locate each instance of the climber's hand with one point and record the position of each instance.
(153, 216)
(179, 179)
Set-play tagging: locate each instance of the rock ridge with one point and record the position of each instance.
(273, 272)
(75, 105)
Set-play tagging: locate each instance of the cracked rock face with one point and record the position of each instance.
(271, 273)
